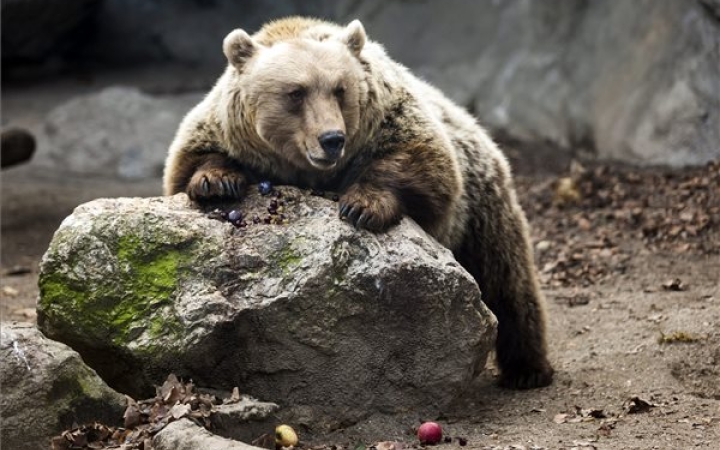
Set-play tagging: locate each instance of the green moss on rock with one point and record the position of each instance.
(129, 301)
(287, 259)
(289, 256)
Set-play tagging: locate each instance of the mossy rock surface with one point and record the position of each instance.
(309, 314)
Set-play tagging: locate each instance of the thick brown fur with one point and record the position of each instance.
(408, 151)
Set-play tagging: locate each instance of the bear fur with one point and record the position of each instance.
(316, 105)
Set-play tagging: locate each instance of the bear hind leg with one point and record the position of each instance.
(498, 255)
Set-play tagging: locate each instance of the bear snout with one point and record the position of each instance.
(332, 143)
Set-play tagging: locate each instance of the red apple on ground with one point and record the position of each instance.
(429, 433)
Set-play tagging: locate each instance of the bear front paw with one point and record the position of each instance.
(216, 184)
(370, 210)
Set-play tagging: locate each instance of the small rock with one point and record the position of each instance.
(543, 246)
(185, 435)
(46, 387)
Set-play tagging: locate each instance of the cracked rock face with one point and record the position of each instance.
(312, 314)
(46, 387)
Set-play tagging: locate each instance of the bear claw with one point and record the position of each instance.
(216, 185)
(376, 213)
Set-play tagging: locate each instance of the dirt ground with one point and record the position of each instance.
(630, 265)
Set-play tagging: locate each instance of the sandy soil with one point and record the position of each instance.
(618, 324)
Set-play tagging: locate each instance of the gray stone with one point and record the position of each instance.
(247, 409)
(117, 132)
(631, 81)
(185, 435)
(312, 314)
(46, 387)
(245, 420)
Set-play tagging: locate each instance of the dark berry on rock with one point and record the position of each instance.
(234, 216)
(447, 439)
(256, 219)
(267, 220)
(462, 441)
(273, 204)
(265, 187)
(335, 198)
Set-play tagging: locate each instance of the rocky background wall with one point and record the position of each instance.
(635, 81)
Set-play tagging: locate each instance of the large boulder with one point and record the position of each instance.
(311, 314)
(118, 132)
(46, 387)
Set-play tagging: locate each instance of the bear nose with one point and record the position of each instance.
(332, 142)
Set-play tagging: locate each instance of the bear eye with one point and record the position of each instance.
(339, 92)
(297, 95)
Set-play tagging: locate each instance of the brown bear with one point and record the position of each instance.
(316, 105)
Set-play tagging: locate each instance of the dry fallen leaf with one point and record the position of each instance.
(566, 192)
(677, 337)
(132, 414)
(637, 405)
(594, 413)
(172, 390)
(674, 285)
(59, 443)
(143, 419)
(179, 411)
(235, 396)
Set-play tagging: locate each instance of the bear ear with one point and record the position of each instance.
(239, 47)
(354, 37)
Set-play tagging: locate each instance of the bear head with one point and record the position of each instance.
(303, 95)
